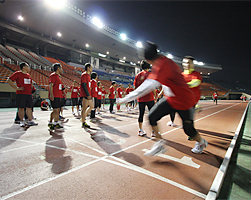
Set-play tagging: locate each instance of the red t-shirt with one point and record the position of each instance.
(128, 90)
(46, 103)
(85, 78)
(74, 93)
(22, 80)
(169, 74)
(195, 90)
(57, 85)
(139, 79)
(99, 96)
(215, 96)
(94, 88)
(120, 92)
(103, 94)
(112, 93)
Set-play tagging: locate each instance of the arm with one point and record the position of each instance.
(51, 97)
(11, 83)
(86, 90)
(146, 87)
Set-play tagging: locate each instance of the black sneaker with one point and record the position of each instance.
(58, 126)
(85, 125)
(51, 126)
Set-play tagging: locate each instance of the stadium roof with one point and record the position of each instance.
(41, 24)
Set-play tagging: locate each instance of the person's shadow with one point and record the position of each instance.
(54, 153)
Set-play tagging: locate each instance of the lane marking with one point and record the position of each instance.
(185, 160)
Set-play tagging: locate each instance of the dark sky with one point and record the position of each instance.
(216, 32)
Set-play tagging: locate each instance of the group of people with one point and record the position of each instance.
(180, 93)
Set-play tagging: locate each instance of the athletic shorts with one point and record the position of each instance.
(24, 101)
(57, 103)
(63, 100)
(74, 101)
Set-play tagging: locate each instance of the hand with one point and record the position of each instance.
(89, 97)
(20, 89)
(51, 97)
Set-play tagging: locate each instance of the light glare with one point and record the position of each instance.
(20, 18)
(57, 4)
(97, 22)
(170, 56)
(139, 44)
(123, 36)
(59, 34)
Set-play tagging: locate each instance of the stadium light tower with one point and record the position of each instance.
(123, 36)
(57, 4)
(20, 17)
(97, 22)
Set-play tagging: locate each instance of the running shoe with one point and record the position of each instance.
(32, 123)
(190, 138)
(112, 112)
(198, 108)
(141, 133)
(51, 126)
(157, 148)
(85, 125)
(17, 122)
(170, 124)
(199, 147)
(22, 124)
(58, 126)
(93, 120)
(153, 134)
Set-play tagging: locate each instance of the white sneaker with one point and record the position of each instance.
(32, 123)
(141, 133)
(153, 134)
(170, 124)
(73, 113)
(157, 148)
(22, 124)
(199, 147)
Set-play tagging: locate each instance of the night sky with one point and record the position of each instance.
(216, 32)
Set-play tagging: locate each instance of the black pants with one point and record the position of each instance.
(142, 106)
(162, 108)
(112, 101)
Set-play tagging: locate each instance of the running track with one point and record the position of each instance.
(107, 162)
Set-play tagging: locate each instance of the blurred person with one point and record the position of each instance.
(127, 91)
(44, 105)
(193, 80)
(119, 95)
(64, 95)
(94, 94)
(74, 97)
(111, 94)
(215, 97)
(85, 94)
(55, 95)
(148, 99)
(23, 89)
(103, 97)
(99, 96)
(178, 98)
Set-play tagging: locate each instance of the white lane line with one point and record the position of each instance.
(156, 176)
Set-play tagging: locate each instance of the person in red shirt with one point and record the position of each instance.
(119, 95)
(103, 97)
(74, 97)
(85, 94)
(23, 89)
(94, 94)
(127, 91)
(193, 80)
(44, 105)
(148, 99)
(99, 96)
(55, 95)
(112, 96)
(215, 97)
(178, 98)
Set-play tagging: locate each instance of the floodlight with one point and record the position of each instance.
(124, 58)
(102, 55)
(208, 73)
(132, 63)
(87, 45)
(170, 56)
(195, 62)
(123, 36)
(20, 18)
(97, 22)
(59, 34)
(200, 63)
(57, 4)
(122, 61)
(139, 44)
(107, 52)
